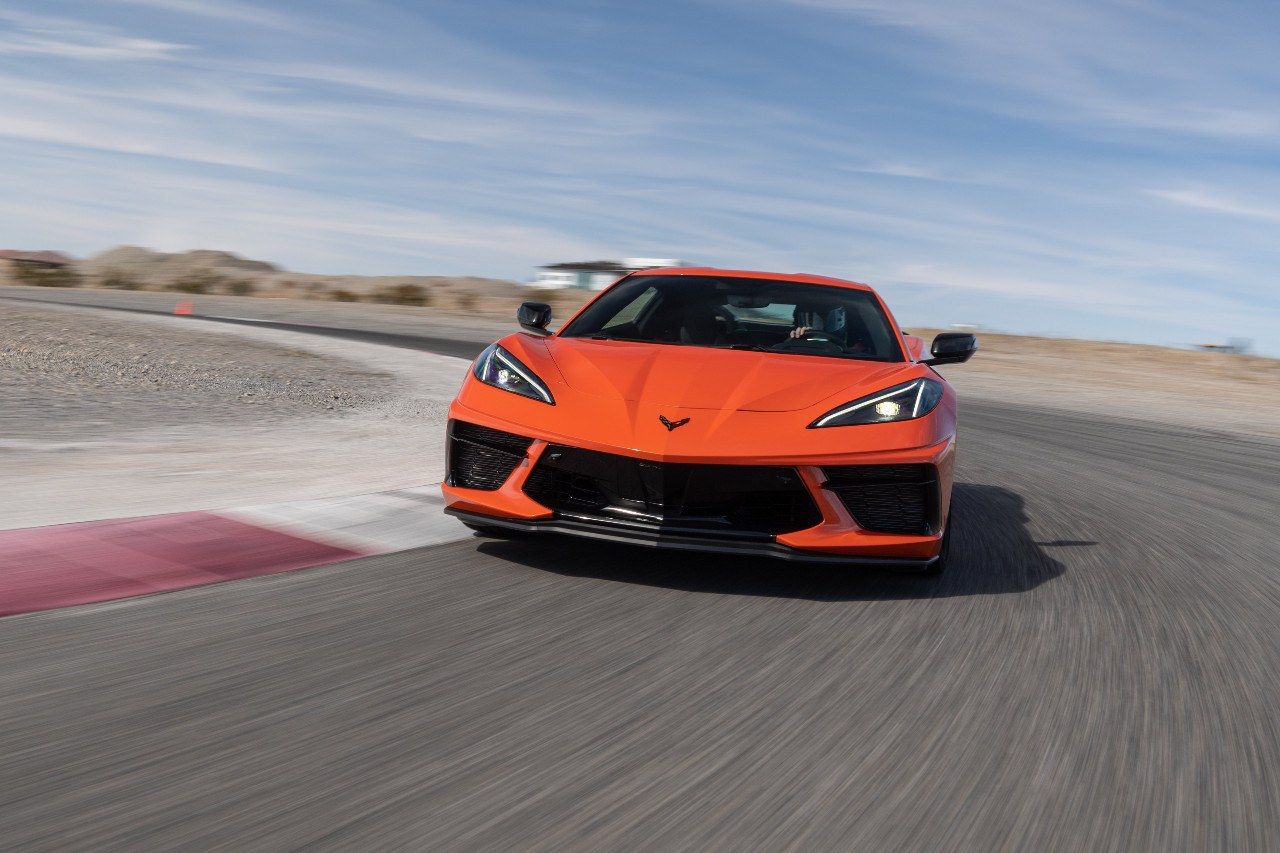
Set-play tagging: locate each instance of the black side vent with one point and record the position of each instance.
(482, 458)
(888, 498)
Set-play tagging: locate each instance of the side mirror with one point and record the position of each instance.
(534, 317)
(952, 348)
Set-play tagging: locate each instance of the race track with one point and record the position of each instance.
(1099, 669)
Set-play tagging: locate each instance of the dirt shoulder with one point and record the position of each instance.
(1202, 390)
(193, 445)
(66, 377)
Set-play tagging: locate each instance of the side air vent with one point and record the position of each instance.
(482, 458)
(888, 498)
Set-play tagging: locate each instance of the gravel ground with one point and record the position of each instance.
(124, 449)
(1157, 385)
(65, 376)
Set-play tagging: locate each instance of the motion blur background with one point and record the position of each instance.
(1093, 168)
(345, 201)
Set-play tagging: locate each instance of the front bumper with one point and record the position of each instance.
(687, 541)
(832, 536)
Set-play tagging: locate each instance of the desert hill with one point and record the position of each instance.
(207, 271)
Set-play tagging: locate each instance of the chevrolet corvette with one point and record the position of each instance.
(715, 410)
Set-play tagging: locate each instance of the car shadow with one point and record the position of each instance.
(992, 554)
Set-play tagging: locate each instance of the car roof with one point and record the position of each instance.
(801, 278)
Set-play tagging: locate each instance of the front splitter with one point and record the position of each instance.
(685, 542)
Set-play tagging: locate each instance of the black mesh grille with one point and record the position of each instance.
(482, 458)
(736, 500)
(888, 498)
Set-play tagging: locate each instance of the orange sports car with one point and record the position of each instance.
(715, 410)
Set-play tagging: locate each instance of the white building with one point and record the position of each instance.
(595, 275)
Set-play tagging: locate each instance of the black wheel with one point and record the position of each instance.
(939, 565)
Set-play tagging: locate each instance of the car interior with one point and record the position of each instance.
(743, 314)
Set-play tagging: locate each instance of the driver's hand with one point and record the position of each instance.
(800, 331)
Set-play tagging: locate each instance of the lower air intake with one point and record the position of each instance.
(482, 458)
(758, 501)
(888, 498)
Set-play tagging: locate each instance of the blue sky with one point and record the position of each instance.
(1096, 168)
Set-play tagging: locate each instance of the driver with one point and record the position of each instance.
(807, 319)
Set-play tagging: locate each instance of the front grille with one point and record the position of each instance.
(482, 458)
(734, 500)
(888, 498)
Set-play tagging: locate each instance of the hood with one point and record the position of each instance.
(705, 378)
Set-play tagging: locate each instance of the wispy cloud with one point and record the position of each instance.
(514, 106)
(1135, 304)
(1014, 286)
(88, 46)
(383, 81)
(898, 170)
(990, 159)
(222, 10)
(1105, 63)
(65, 38)
(1215, 202)
(306, 230)
(63, 115)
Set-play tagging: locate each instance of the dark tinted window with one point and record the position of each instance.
(741, 313)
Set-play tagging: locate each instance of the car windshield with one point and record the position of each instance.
(741, 313)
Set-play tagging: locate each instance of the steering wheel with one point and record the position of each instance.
(811, 340)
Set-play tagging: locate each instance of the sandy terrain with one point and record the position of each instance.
(387, 440)
(1202, 390)
(70, 378)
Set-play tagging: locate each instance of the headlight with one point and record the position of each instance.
(900, 403)
(501, 369)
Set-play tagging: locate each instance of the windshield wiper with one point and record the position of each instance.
(751, 347)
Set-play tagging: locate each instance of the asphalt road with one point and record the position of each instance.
(1098, 670)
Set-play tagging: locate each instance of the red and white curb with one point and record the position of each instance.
(42, 568)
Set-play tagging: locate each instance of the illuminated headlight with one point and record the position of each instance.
(903, 402)
(501, 369)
